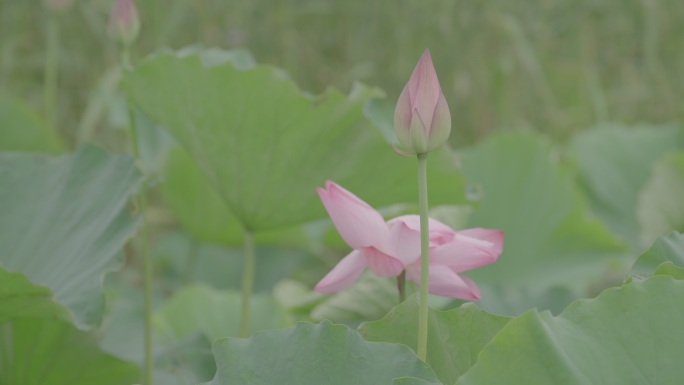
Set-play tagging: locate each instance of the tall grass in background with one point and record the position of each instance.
(554, 66)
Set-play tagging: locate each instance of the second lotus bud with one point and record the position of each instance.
(422, 120)
(124, 22)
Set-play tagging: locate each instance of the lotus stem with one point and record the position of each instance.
(51, 66)
(425, 256)
(401, 286)
(247, 283)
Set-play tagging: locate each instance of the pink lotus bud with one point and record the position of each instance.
(124, 23)
(421, 119)
(57, 5)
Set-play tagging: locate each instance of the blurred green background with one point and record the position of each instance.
(589, 174)
(555, 66)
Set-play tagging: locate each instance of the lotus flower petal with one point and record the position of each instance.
(424, 88)
(405, 241)
(440, 125)
(466, 252)
(346, 272)
(447, 283)
(356, 221)
(439, 232)
(382, 264)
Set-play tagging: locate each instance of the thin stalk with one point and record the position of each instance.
(147, 273)
(140, 202)
(126, 58)
(401, 286)
(247, 283)
(51, 66)
(425, 257)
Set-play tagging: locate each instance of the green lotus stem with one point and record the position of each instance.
(425, 256)
(126, 57)
(51, 66)
(147, 273)
(401, 286)
(140, 202)
(247, 283)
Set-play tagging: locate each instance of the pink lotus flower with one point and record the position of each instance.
(124, 22)
(422, 120)
(388, 248)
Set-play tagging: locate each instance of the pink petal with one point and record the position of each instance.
(440, 126)
(346, 272)
(494, 236)
(418, 133)
(465, 253)
(402, 118)
(381, 264)
(439, 232)
(445, 282)
(356, 221)
(405, 243)
(424, 87)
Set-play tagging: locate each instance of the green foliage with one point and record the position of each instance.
(183, 260)
(627, 335)
(614, 165)
(200, 308)
(265, 146)
(555, 67)
(24, 130)
(413, 381)
(661, 207)
(549, 237)
(19, 298)
(369, 298)
(202, 212)
(197, 207)
(47, 351)
(455, 337)
(64, 221)
(312, 355)
(40, 345)
(255, 147)
(669, 268)
(668, 248)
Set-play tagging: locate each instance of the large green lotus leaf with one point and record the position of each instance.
(64, 221)
(215, 313)
(264, 145)
(668, 248)
(669, 268)
(661, 203)
(21, 298)
(196, 205)
(614, 164)
(202, 212)
(505, 300)
(455, 337)
(40, 345)
(627, 335)
(550, 240)
(313, 355)
(21, 129)
(51, 351)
